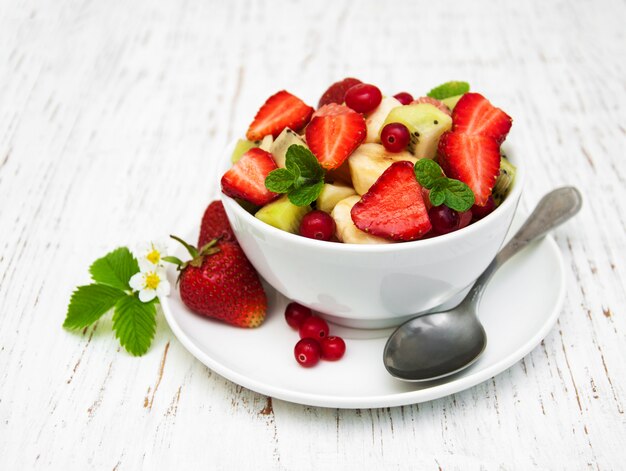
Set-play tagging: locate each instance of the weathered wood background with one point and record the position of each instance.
(111, 116)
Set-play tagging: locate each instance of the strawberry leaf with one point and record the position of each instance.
(449, 89)
(89, 303)
(134, 324)
(115, 268)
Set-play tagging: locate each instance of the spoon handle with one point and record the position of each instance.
(553, 210)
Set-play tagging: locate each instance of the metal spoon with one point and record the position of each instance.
(442, 343)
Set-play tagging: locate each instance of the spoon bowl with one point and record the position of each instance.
(440, 344)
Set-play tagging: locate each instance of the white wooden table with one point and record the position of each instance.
(111, 116)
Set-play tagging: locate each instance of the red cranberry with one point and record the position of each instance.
(295, 314)
(333, 348)
(404, 98)
(464, 219)
(314, 327)
(317, 225)
(443, 219)
(363, 97)
(307, 352)
(480, 212)
(395, 137)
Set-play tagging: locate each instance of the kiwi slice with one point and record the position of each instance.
(284, 140)
(425, 122)
(504, 182)
(283, 214)
(241, 148)
(331, 194)
(451, 101)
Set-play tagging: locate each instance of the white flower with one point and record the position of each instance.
(150, 284)
(150, 255)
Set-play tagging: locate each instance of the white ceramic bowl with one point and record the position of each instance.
(374, 286)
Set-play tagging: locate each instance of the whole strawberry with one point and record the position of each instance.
(215, 225)
(219, 282)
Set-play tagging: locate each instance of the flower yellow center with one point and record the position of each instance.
(154, 256)
(152, 280)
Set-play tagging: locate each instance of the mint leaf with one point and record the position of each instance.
(305, 195)
(449, 89)
(437, 195)
(280, 180)
(115, 268)
(134, 324)
(427, 172)
(458, 196)
(89, 303)
(302, 159)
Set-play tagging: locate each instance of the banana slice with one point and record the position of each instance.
(346, 231)
(369, 161)
(376, 119)
(331, 194)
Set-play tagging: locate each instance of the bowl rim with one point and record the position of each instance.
(511, 200)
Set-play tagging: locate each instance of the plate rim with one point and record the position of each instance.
(387, 400)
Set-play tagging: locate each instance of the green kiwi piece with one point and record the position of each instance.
(283, 214)
(504, 182)
(241, 148)
(280, 145)
(451, 101)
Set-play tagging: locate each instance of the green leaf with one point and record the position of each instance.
(458, 195)
(115, 268)
(437, 196)
(449, 89)
(190, 248)
(427, 172)
(172, 259)
(306, 194)
(134, 324)
(89, 303)
(300, 158)
(280, 180)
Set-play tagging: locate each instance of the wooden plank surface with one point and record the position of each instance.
(111, 117)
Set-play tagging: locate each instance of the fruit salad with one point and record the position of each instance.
(367, 168)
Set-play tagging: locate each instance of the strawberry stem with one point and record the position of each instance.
(190, 248)
(175, 260)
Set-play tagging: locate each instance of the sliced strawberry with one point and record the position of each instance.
(246, 179)
(393, 207)
(432, 101)
(280, 111)
(337, 91)
(334, 133)
(473, 114)
(473, 159)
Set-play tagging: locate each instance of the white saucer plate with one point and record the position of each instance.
(519, 308)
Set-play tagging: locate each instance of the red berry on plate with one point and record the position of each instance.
(215, 224)
(307, 352)
(295, 314)
(480, 212)
(314, 328)
(404, 98)
(337, 91)
(395, 137)
(317, 225)
(443, 219)
(333, 348)
(363, 97)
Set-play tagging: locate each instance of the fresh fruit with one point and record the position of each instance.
(283, 214)
(395, 137)
(246, 179)
(404, 97)
(266, 143)
(281, 110)
(473, 159)
(314, 328)
(307, 352)
(465, 219)
(346, 231)
(393, 207)
(334, 133)
(432, 101)
(219, 282)
(504, 182)
(336, 93)
(331, 194)
(374, 121)
(295, 314)
(480, 212)
(333, 348)
(340, 174)
(451, 101)
(369, 161)
(242, 146)
(280, 145)
(363, 97)
(449, 89)
(425, 122)
(317, 225)
(473, 114)
(443, 219)
(215, 225)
